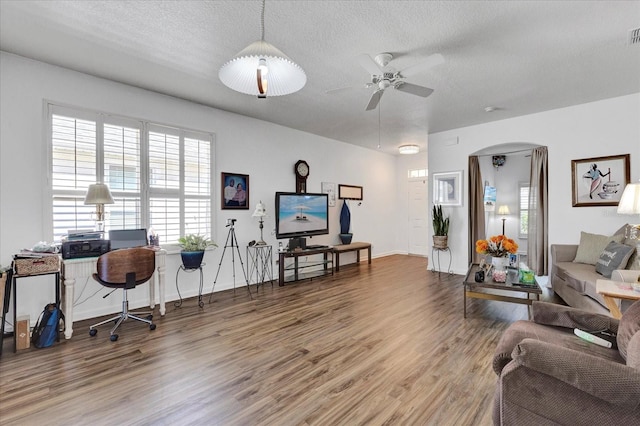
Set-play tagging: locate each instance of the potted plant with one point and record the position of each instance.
(440, 228)
(345, 224)
(193, 247)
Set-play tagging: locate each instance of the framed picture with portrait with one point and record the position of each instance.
(235, 191)
(599, 181)
(447, 188)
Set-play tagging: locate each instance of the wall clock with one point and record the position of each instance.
(301, 170)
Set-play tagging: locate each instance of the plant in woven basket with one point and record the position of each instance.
(440, 227)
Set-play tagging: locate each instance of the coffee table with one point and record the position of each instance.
(483, 290)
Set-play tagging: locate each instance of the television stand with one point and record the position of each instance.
(313, 268)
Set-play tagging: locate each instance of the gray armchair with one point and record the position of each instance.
(549, 376)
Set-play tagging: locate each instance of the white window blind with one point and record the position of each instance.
(524, 209)
(160, 177)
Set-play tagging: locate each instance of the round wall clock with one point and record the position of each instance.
(301, 170)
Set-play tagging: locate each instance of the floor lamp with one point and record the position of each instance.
(503, 210)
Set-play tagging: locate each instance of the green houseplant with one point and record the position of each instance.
(193, 247)
(440, 228)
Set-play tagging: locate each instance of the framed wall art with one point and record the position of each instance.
(599, 181)
(235, 191)
(447, 188)
(329, 188)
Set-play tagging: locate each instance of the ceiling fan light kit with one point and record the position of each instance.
(262, 69)
(409, 149)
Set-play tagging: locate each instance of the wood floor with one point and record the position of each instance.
(378, 344)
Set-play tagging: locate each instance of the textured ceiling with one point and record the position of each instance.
(521, 57)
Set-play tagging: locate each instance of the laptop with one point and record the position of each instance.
(127, 238)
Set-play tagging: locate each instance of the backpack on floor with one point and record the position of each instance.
(46, 330)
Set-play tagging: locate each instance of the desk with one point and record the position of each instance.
(611, 290)
(73, 269)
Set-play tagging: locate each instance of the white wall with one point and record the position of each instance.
(265, 151)
(607, 127)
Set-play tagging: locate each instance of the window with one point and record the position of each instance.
(160, 177)
(417, 173)
(523, 190)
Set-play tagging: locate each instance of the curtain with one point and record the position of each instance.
(538, 239)
(476, 208)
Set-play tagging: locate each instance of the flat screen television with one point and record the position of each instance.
(301, 215)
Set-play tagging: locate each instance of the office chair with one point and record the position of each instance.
(125, 269)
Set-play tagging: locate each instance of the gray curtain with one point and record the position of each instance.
(538, 238)
(476, 208)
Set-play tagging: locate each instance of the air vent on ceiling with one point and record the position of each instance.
(634, 36)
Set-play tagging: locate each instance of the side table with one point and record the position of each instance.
(611, 290)
(438, 250)
(260, 264)
(189, 270)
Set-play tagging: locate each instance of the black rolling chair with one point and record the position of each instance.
(125, 269)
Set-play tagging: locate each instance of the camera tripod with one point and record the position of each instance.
(231, 238)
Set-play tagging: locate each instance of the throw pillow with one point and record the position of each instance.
(629, 325)
(591, 246)
(633, 231)
(614, 256)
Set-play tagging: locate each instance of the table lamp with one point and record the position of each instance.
(503, 210)
(99, 194)
(630, 204)
(260, 212)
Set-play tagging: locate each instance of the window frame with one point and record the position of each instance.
(101, 118)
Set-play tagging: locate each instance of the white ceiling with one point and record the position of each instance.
(521, 57)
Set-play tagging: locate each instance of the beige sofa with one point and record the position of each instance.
(575, 282)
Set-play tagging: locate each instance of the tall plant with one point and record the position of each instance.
(440, 223)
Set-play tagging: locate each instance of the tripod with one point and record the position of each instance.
(231, 237)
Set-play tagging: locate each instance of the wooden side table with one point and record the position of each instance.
(611, 290)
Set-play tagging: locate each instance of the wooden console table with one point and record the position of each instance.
(325, 262)
(345, 248)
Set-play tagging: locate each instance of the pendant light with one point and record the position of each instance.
(261, 69)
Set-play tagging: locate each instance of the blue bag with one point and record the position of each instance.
(46, 330)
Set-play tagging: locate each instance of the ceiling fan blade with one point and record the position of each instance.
(414, 89)
(375, 99)
(338, 90)
(431, 61)
(370, 65)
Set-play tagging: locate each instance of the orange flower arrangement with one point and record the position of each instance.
(497, 246)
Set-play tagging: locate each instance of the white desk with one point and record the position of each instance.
(73, 269)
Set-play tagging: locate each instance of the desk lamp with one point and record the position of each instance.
(99, 195)
(503, 210)
(261, 213)
(630, 204)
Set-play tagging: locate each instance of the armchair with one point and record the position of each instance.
(547, 375)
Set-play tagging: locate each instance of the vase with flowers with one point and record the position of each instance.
(499, 247)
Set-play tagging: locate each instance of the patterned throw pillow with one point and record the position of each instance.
(614, 256)
(591, 246)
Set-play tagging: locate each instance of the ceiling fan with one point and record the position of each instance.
(383, 77)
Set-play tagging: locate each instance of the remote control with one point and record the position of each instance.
(591, 338)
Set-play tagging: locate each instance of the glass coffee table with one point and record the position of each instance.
(488, 289)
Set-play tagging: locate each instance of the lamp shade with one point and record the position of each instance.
(98, 193)
(260, 210)
(261, 69)
(504, 209)
(409, 149)
(630, 201)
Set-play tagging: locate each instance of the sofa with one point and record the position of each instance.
(549, 376)
(576, 267)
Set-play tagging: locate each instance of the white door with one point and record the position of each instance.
(418, 217)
